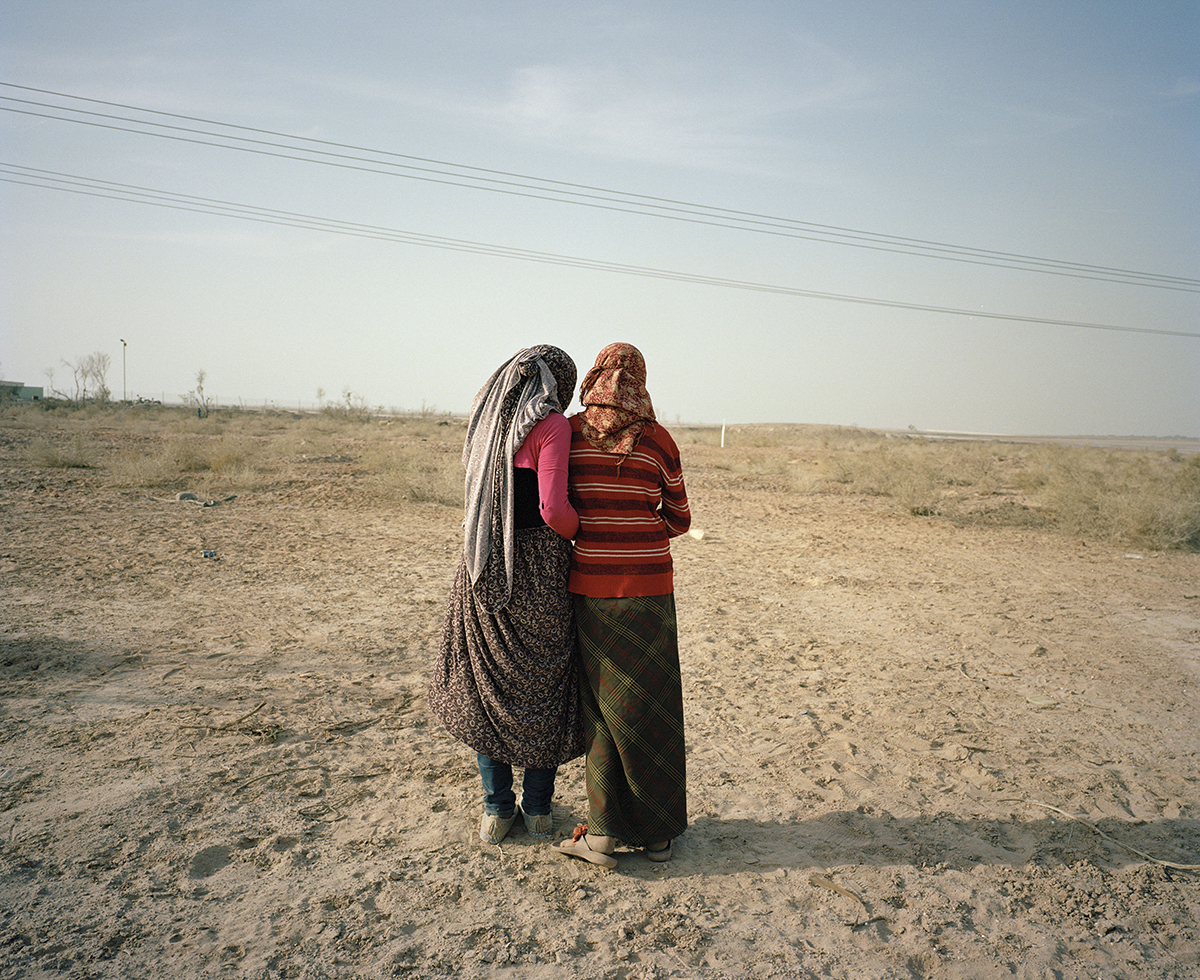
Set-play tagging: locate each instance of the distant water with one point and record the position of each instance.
(1181, 445)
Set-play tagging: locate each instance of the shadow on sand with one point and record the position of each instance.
(715, 846)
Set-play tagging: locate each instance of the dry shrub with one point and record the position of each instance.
(141, 468)
(425, 473)
(1151, 500)
(1147, 499)
(927, 479)
(78, 453)
(173, 460)
(352, 408)
(38, 417)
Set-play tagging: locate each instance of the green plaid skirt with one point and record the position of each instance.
(632, 717)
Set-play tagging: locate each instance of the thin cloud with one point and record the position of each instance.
(664, 113)
(1184, 88)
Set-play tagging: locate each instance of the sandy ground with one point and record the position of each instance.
(916, 750)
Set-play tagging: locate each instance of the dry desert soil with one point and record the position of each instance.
(918, 748)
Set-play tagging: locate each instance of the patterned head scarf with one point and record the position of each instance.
(563, 369)
(617, 406)
(522, 391)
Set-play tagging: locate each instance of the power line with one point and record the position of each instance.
(348, 156)
(133, 193)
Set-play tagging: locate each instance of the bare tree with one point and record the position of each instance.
(196, 398)
(79, 376)
(54, 392)
(96, 366)
(90, 377)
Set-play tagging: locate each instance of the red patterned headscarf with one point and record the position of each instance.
(617, 406)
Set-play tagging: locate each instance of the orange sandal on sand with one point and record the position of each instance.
(578, 847)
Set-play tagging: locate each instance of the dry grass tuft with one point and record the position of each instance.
(1147, 499)
(78, 453)
(176, 458)
(421, 474)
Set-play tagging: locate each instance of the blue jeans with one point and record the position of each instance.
(537, 788)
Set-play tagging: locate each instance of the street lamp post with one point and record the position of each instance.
(124, 382)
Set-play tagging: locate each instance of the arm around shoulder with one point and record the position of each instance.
(676, 511)
(553, 455)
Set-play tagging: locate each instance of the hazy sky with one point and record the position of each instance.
(801, 146)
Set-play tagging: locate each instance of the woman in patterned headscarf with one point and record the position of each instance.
(627, 486)
(506, 679)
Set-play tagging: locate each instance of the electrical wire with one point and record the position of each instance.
(133, 193)
(348, 156)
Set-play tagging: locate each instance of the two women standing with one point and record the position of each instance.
(503, 683)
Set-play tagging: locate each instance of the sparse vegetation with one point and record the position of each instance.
(352, 407)
(417, 474)
(412, 458)
(78, 453)
(196, 398)
(1142, 498)
(1146, 499)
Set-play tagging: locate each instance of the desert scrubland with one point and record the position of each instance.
(941, 707)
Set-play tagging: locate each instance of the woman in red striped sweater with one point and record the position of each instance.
(626, 484)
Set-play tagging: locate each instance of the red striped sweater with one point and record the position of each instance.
(627, 514)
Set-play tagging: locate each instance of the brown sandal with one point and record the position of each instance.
(578, 847)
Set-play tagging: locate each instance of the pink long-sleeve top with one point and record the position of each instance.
(547, 450)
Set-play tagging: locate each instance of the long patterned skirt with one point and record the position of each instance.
(633, 718)
(507, 683)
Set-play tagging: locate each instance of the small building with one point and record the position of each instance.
(19, 391)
